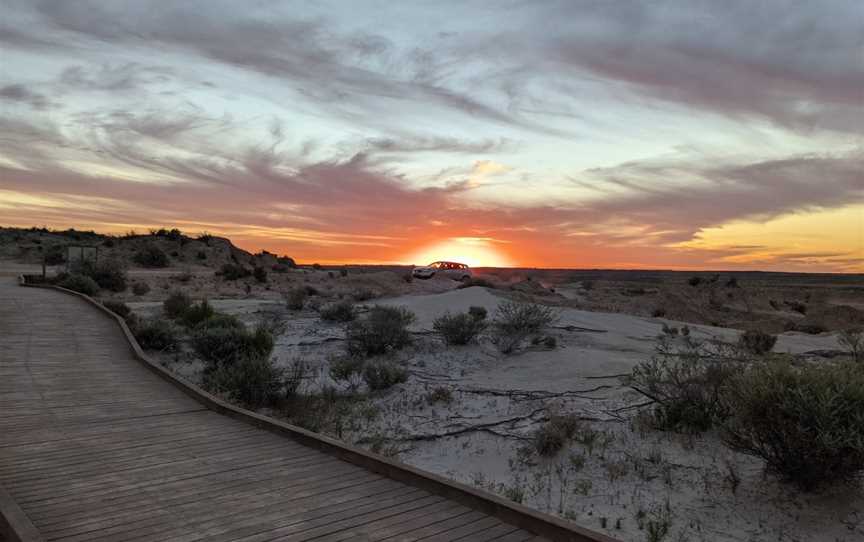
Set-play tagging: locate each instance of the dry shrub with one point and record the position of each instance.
(459, 328)
(151, 255)
(687, 384)
(757, 342)
(296, 298)
(220, 346)
(381, 375)
(514, 322)
(553, 435)
(251, 381)
(140, 288)
(806, 422)
(853, 341)
(155, 334)
(385, 329)
(341, 311)
(117, 307)
(195, 315)
(176, 305)
(79, 283)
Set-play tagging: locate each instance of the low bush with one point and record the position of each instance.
(151, 255)
(296, 298)
(117, 307)
(176, 305)
(440, 394)
(694, 281)
(260, 274)
(364, 294)
(79, 283)
(687, 385)
(806, 423)
(233, 271)
(852, 340)
(383, 330)
(108, 274)
(553, 435)
(229, 345)
(458, 328)
(197, 314)
(252, 382)
(54, 256)
(347, 370)
(514, 322)
(381, 375)
(341, 311)
(140, 288)
(757, 342)
(155, 334)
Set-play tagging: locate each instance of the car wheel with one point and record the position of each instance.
(465, 278)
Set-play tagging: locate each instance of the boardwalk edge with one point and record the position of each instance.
(521, 516)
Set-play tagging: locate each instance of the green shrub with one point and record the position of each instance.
(806, 423)
(458, 328)
(117, 307)
(155, 334)
(383, 330)
(296, 298)
(252, 382)
(108, 274)
(341, 311)
(381, 375)
(757, 342)
(516, 321)
(176, 305)
(151, 255)
(553, 435)
(229, 345)
(140, 288)
(195, 315)
(79, 283)
(687, 385)
(260, 274)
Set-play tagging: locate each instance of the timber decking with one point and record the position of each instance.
(95, 446)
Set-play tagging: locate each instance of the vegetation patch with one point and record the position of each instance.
(176, 305)
(155, 334)
(459, 328)
(806, 422)
(340, 311)
(79, 283)
(151, 256)
(381, 375)
(383, 330)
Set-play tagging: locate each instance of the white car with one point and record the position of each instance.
(453, 270)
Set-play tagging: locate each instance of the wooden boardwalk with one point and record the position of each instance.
(95, 446)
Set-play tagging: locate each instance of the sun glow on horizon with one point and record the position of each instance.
(473, 251)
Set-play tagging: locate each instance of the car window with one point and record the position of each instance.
(434, 265)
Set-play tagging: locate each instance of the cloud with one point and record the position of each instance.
(21, 94)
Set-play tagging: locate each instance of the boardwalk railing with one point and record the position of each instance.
(542, 524)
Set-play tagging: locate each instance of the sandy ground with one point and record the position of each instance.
(617, 480)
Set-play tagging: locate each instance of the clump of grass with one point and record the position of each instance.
(553, 435)
(176, 305)
(79, 283)
(757, 342)
(381, 375)
(806, 422)
(341, 311)
(458, 328)
(384, 329)
(155, 334)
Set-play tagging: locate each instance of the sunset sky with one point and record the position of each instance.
(659, 134)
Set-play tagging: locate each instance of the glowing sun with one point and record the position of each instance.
(474, 251)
